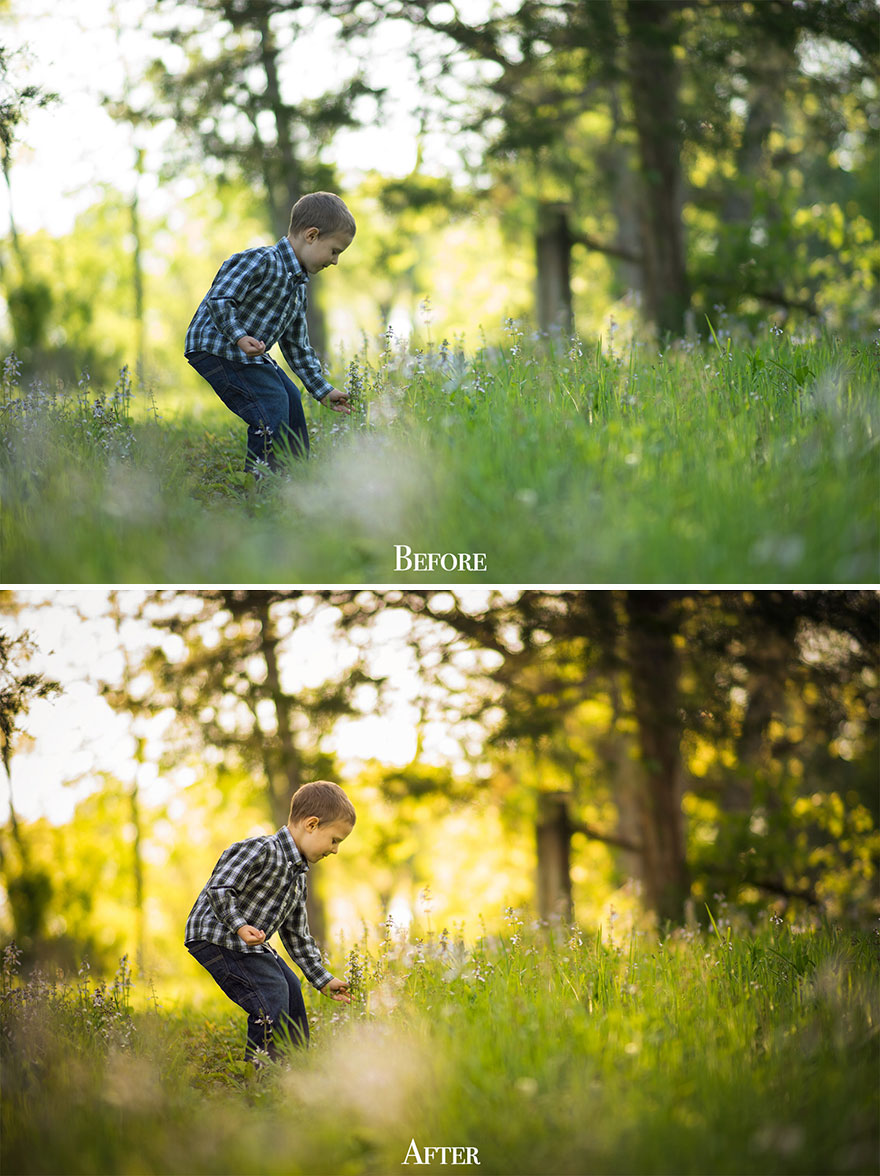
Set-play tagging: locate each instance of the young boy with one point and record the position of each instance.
(258, 299)
(258, 887)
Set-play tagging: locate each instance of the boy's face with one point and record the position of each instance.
(315, 840)
(316, 250)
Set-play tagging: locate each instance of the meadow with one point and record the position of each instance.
(735, 458)
(550, 1050)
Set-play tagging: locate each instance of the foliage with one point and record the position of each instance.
(29, 298)
(18, 691)
(750, 459)
(28, 888)
(550, 1050)
(15, 104)
(753, 133)
(757, 709)
(226, 85)
(546, 729)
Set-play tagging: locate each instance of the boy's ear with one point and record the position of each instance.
(312, 234)
(312, 823)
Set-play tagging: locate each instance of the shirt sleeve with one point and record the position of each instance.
(235, 276)
(230, 875)
(300, 354)
(301, 948)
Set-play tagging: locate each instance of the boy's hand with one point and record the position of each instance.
(251, 935)
(337, 400)
(250, 346)
(337, 990)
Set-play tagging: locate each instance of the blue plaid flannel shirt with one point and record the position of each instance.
(260, 882)
(261, 293)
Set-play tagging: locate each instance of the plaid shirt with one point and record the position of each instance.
(260, 882)
(261, 293)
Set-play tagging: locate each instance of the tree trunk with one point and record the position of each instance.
(284, 770)
(553, 255)
(622, 770)
(553, 839)
(654, 82)
(654, 670)
(616, 161)
(285, 189)
(30, 890)
(765, 104)
(137, 862)
(137, 274)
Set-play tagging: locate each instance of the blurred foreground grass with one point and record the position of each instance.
(733, 460)
(730, 1051)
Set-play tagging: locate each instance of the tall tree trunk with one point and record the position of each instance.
(767, 85)
(137, 274)
(616, 161)
(134, 803)
(285, 189)
(284, 770)
(553, 841)
(654, 671)
(137, 861)
(17, 250)
(622, 770)
(654, 82)
(15, 828)
(30, 889)
(766, 690)
(553, 255)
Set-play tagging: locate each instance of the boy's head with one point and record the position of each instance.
(321, 228)
(321, 817)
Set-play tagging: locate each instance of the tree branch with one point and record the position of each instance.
(808, 895)
(605, 247)
(609, 838)
(779, 299)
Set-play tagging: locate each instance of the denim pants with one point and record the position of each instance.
(267, 401)
(262, 984)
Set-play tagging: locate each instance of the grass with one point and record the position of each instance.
(550, 1051)
(728, 461)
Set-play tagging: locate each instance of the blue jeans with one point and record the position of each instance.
(262, 984)
(267, 401)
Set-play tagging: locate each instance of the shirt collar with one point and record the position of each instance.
(291, 260)
(293, 855)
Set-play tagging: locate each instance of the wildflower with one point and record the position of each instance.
(11, 372)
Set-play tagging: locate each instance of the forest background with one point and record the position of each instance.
(577, 166)
(576, 756)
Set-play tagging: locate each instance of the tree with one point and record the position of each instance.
(550, 64)
(29, 300)
(642, 116)
(655, 81)
(231, 100)
(779, 103)
(698, 691)
(124, 696)
(783, 723)
(29, 887)
(229, 688)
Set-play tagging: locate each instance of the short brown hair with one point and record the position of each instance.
(321, 799)
(323, 211)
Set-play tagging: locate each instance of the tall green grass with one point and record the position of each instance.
(550, 1050)
(732, 460)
